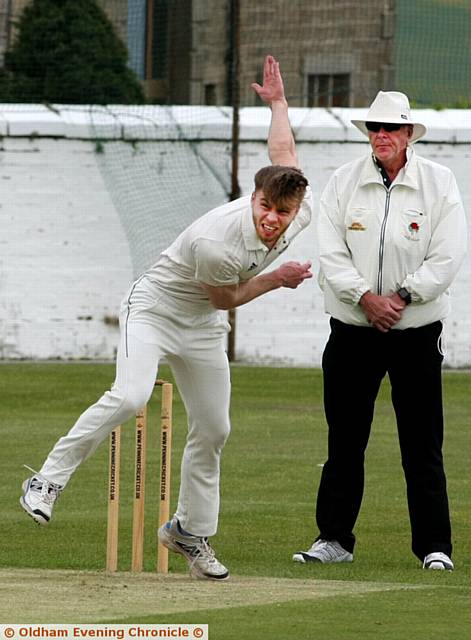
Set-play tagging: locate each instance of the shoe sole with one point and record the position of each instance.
(437, 565)
(37, 517)
(168, 542)
(305, 558)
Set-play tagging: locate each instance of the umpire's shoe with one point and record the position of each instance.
(325, 551)
(198, 552)
(438, 560)
(39, 496)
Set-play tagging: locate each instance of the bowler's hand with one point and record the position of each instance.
(272, 89)
(382, 312)
(292, 274)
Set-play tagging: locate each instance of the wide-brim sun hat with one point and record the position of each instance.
(391, 107)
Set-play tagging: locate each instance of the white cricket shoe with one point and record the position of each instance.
(39, 496)
(198, 552)
(438, 560)
(324, 551)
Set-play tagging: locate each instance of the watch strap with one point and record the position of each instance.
(404, 294)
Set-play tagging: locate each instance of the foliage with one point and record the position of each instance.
(67, 51)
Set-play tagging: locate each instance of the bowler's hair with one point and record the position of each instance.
(282, 186)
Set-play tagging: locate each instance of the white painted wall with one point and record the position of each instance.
(64, 259)
(65, 263)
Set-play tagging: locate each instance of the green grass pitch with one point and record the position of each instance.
(270, 472)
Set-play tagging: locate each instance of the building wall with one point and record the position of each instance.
(345, 36)
(210, 48)
(65, 263)
(10, 11)
(117, 11)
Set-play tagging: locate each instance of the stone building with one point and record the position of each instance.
(333, 52)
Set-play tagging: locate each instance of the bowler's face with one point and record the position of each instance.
(270, 220)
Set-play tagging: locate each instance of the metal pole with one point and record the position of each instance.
(149, 39)
(234, 88)
(8, 25)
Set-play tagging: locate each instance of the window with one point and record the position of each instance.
(328, 90)
(147, 35)
(210, 94)
(160, 28)
(136, 29)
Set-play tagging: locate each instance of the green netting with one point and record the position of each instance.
(160, 172)
(433, 51)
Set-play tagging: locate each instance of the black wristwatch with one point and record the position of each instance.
(404, 294)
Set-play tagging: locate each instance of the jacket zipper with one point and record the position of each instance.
(379, 283)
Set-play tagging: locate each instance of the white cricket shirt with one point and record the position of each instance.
(220, 248)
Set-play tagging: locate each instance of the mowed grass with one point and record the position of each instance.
(270, 472)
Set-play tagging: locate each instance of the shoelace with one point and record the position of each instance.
(327, 547)
(49, 491)
(204, 549)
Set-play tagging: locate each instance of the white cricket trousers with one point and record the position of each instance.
(153, 328)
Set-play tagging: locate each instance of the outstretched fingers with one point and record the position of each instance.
(272, 88)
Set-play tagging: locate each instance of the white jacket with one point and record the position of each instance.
(376, 239)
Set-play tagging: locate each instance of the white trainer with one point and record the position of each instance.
(39, 496)
(324, 551)
(438, 560)
(198, 552)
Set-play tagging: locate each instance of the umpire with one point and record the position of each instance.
(392, 236)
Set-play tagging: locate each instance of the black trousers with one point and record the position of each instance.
(355, 361)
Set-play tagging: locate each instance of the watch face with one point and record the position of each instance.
(404, 295)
